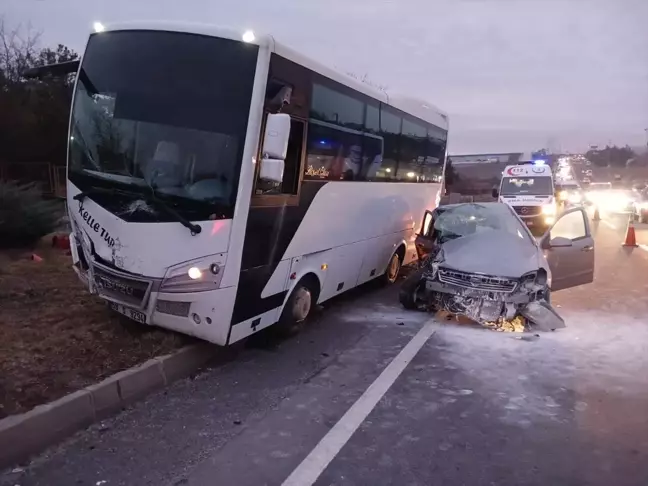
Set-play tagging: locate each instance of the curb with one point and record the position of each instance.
(24, 435)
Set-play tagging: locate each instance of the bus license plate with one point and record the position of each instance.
(128, 312)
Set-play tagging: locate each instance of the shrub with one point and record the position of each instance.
(24, 215)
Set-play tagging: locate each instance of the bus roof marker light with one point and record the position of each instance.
(98, 27)
(539, 162)
(248, 36)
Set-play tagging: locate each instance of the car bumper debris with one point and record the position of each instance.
(498, 303)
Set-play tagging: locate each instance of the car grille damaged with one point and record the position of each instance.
(477, 281)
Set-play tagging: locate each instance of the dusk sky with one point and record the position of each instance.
(512, 74)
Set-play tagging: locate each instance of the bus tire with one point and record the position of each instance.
(299, 305)
(393, 267)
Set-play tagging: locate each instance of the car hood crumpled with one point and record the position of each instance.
(496, 253)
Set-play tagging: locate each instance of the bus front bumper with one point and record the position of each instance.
(205, 315)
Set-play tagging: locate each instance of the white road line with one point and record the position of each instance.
(608, 224)
(325, 451)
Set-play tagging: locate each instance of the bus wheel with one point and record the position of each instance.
(393, 268)
(298, 307)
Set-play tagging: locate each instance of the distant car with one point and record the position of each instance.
(570, 194)
(481, 261)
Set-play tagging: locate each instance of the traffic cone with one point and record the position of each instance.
(36, 258)
(597, 215)
(630, 239)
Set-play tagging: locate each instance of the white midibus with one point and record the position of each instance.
(219, 182)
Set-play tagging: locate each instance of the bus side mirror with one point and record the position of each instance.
(275, 146)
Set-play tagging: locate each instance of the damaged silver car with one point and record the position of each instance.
(479, 260)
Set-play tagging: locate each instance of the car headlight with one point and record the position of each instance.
(195, 276)
(531, 280)
(549, 209)
(528, 280)
(563, 195)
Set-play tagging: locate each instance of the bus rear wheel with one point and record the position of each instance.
(298, 307)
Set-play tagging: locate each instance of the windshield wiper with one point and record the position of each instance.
(195, 228)
(150, 198)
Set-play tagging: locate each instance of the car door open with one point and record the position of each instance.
(424, 241)
(569, 249)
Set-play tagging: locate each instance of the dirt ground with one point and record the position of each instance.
(55, 338)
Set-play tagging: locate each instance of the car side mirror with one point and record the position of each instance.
(560, 242)
(275, 147)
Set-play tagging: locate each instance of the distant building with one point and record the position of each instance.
(503, 158)
(479, 173)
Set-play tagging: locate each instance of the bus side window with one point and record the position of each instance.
(292, 167)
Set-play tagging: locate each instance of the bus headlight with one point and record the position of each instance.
(194, 276)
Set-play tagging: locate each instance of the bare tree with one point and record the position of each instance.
(34, 113)
(18, 51)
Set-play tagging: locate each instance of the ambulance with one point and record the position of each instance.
(529, 190)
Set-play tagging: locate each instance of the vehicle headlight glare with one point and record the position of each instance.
(549, 209)
(194, 273)
(198, 275)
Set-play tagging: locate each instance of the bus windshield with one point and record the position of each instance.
(162, 114)
(526, 186)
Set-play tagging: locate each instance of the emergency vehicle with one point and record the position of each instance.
(529, 190)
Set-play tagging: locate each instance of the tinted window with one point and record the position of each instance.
(372, 119)
(151, 112)
(390, 129)
(436, 147)
(334, 107)
(372, 158)
(413, 151)
(333, 154)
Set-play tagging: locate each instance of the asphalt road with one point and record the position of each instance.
(370, 394)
